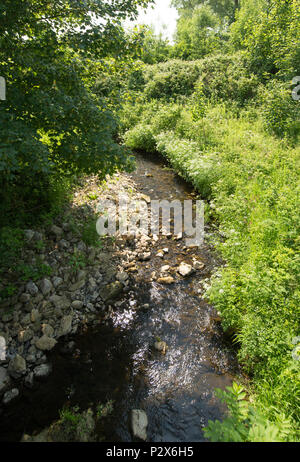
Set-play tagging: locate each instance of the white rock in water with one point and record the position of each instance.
(184, 269)
(42, 370)
(139, 424)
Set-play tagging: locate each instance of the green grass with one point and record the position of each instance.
(251, 179)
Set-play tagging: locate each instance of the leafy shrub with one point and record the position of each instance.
(226, 78)
(171, 79)
(189, 161)
(245, 422)
(281, 113)
(141, 137)
(11, 244)
(166, 117)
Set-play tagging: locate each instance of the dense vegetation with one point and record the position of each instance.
(221, 111)
(218, 105)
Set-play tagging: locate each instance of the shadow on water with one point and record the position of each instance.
(116, 361)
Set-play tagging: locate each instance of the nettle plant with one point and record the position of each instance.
(245, 423)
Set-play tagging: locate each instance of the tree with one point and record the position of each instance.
(199, 33)
(51, 121)
(269, 31)
(152, 48)
(223, 8)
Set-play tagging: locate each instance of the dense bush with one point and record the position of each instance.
(280, 112)
(227, 77)
(170, 79)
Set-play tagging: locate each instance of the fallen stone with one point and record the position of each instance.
(47, 330)
(46, 286)
(29, 380)
(178, 236)
(166, 280)
(185, 269)
(76, 286)
(65, 325)
(198, 265)
(57, 281)
(17, 367)
(122, 276)
(77, 304)
(145, 198)
(145, 256)
(81, 275)
(7, 317)
(25, 335)
(24, 298)
(35, 315)
(31, 288)
(45, 343)
(60, 302)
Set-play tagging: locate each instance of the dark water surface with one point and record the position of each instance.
(117, 360)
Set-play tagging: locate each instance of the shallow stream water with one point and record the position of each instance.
(116, 361)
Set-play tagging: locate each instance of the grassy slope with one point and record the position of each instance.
(252, 181)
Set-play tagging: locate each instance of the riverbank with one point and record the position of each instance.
(119, 290)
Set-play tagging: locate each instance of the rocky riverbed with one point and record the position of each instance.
(114, 282)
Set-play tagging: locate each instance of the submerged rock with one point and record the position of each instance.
(10, 395)
(42, 370)
(112, 291)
